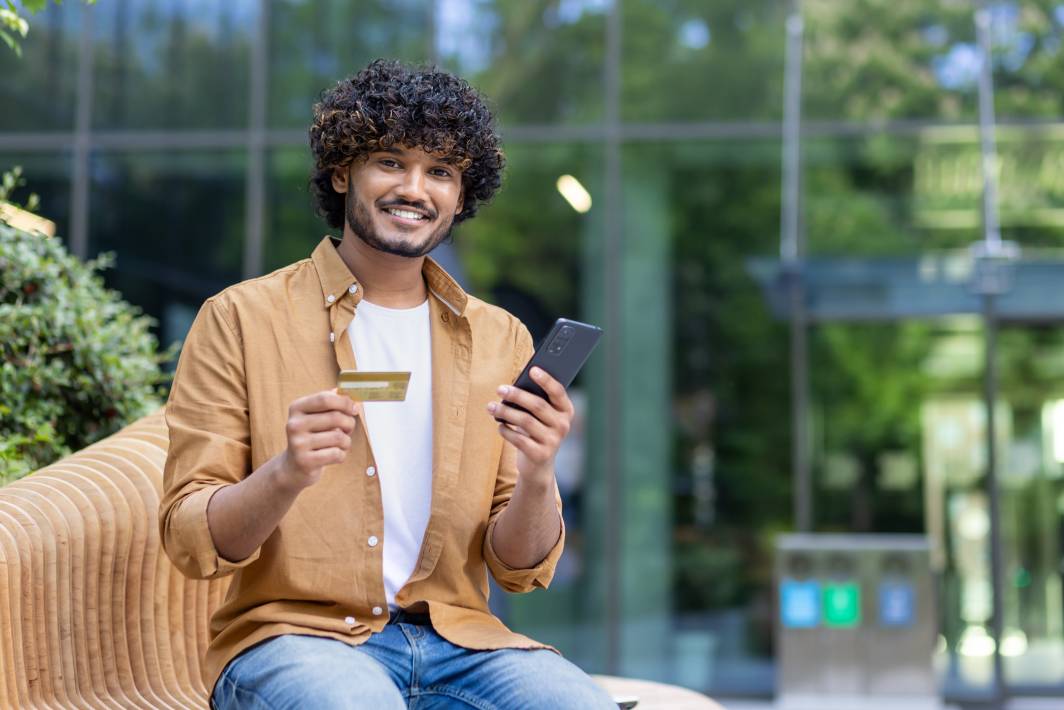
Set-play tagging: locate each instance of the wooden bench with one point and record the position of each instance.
(93, 614)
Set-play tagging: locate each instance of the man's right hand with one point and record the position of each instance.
(319, 434)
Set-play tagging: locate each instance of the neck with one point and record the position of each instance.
(386, 279)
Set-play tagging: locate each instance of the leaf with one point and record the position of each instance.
(11, 42)
(14, 22)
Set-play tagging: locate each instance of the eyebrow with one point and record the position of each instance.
(400, 152)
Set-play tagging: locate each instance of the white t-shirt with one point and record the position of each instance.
(389, 339)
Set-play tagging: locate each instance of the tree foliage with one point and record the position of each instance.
(76, 361)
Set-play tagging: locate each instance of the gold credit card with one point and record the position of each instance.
(374, 386)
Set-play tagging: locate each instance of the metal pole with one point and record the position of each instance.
(79, 194)
(991, 284)
(792, 251)
(614, 250)
(255, 178)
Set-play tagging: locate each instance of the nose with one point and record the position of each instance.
(412, 186)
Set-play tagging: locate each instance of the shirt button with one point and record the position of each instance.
(372, 541)
(377, 611)
(332, 337)
(330, 298)
(444, 316)
(350, 620)
(371, 471)
(353, 289)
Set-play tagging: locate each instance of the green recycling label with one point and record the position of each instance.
(842, 605)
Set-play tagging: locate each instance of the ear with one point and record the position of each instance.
(461, 202)
(339, 178)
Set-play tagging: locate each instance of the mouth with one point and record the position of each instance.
(408, 215)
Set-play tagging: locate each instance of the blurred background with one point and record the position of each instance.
(644, 193)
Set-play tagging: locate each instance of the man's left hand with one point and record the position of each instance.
(538, 432)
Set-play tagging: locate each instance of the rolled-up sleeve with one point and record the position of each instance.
(207, 417)
(510, 579)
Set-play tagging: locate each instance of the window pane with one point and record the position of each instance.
(688, 60)
(1031, 432)
(38, 90)
(705, 442)
(538, 61)
(315, 44)
(172, 64)
(175, 222)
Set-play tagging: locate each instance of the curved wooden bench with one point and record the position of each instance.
(92, 612)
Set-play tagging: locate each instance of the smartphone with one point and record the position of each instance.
(561, 354)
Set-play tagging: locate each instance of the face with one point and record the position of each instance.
(401, 200)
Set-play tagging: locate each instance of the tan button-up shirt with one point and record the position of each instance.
(254, 349)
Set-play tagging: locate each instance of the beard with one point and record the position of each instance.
(361, 223)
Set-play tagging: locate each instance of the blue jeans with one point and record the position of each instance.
(404, 666)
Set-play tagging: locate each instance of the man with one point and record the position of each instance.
(359, 535)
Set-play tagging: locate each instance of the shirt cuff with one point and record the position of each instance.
(190, 519)
(523, 580)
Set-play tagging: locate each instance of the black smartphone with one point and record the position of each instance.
(561, 354)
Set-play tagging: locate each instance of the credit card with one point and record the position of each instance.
(374, 386)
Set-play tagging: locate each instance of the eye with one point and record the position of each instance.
(389, 162)
(441, 172)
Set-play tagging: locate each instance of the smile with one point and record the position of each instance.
(406, 215)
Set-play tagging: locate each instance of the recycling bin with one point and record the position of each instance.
(856, 621)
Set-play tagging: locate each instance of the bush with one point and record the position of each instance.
(77, 362)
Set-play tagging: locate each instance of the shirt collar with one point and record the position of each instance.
(336, 278)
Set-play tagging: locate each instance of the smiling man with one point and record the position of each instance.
(359, 536)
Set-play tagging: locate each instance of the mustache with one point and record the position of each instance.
(421, 206)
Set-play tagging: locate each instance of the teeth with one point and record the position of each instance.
(406, 214)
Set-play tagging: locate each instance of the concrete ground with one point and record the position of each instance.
(1015, 704)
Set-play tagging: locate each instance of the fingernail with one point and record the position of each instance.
(536, 372)
(503, 389)
(491, 406)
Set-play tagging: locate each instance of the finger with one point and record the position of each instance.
(328, 440)
(534, 404)
(324, 457)
(557, 395)
(326, 421)
(326, 401)
(515, 417)
(523, 443)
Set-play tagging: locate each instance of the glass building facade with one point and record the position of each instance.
(173, 133)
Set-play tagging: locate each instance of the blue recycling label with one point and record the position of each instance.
(799, 604)
(897, 604)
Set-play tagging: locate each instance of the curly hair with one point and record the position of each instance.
(389, 103)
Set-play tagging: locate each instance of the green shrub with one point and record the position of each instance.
(76, 361)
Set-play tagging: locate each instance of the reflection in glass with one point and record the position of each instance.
(538, 61)
(291, 227)
(882, 60)
(314, 44)
(174, 221)
(707, 427)
(37, 91)
(699, 61)
(172, 64)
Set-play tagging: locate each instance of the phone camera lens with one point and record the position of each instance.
(566, 332)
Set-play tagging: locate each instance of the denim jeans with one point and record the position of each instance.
(404, 666)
